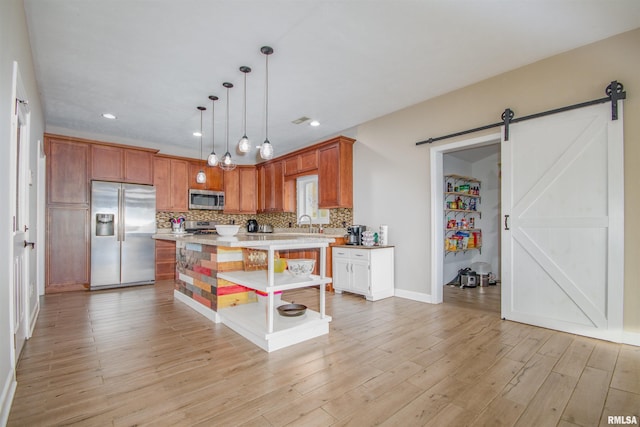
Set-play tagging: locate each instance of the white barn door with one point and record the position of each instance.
(562, 238)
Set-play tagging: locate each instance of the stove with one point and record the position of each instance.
(200, 227)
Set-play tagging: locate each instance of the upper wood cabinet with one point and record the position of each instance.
(113, 163)
(67, 171)
(272, 188)
(240, 190)
(302, 163)
(335, 173)
(215, 176)
(170, 176)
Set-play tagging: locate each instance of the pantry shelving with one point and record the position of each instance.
(461, 202)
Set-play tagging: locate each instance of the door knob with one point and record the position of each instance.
(32, 244)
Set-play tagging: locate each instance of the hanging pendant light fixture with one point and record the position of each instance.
(227, 163)
(244, 145)
(201, 178)
(266, 149)
(212, 160)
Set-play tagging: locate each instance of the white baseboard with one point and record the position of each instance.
(34, 318)
(415, 296)
(631, 338)
(205, 311)
(6, 398)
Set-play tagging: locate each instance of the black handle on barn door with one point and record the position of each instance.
(506, 222)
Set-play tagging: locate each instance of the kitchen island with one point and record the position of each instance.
(232, 280)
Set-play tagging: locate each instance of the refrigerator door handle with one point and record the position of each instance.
(122, 214)
(119, 218)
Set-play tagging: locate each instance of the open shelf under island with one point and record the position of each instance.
(212, 279)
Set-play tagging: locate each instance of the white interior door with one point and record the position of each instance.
(562, 239)
(20, 205)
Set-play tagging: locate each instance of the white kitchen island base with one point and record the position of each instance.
(250, 321)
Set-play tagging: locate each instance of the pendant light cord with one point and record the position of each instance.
(200, 134)
(266, 104)
(227, 128)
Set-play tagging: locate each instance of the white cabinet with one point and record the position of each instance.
(366, 271)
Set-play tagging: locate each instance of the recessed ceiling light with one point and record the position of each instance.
(197, 134)
(314, 123)
(109, 116)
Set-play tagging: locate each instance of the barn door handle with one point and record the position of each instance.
(32, 244)
(506, 222)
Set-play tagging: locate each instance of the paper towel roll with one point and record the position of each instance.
(383, 236)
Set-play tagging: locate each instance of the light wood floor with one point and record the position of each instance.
(137, 357)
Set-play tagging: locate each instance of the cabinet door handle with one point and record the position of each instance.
(506, 222)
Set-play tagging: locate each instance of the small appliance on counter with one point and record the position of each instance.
(252, 226)
(200, 227)
(354, 234)
(265, 228)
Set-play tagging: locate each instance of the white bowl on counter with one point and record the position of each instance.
(227, 230)
(301, 267)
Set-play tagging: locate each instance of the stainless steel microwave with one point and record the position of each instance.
(206, 199)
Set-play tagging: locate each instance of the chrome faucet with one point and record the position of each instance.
(310, 223)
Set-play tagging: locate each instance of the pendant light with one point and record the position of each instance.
(212, 160)
(201, 178)
(244, 145)
(266, 149)
(227, 163)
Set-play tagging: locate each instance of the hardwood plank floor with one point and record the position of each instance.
(135, 356)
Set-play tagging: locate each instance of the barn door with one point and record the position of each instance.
(562, 239)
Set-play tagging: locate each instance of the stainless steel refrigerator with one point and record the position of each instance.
(123, 219)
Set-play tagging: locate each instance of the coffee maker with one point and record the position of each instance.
(354, 234)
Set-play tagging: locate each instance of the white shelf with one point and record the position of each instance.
(251, 321)
(258, 280)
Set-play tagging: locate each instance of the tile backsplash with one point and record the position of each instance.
(338, 218)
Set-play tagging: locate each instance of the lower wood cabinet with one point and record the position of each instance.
(363, 270)
(165, 260)
(68, 251)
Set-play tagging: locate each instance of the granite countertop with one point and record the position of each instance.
(328, 232)
(244, 240)
(363, 246)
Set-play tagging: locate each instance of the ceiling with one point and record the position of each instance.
(343, 63)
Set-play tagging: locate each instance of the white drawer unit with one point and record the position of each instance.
(367, 272)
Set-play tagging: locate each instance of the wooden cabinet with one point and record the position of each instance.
(272, 187)
(113, 163)
(67, 214)
(170, 176)
(240, 190)
(215, 176)
(138, 166)
(165, 260)
(367, 272)
(335, 174)
(106, 163)
(304, 162)
(67, 171)
(67, 248)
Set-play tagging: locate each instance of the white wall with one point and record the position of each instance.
(487, 171)
(15, 47)
(389, 187)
